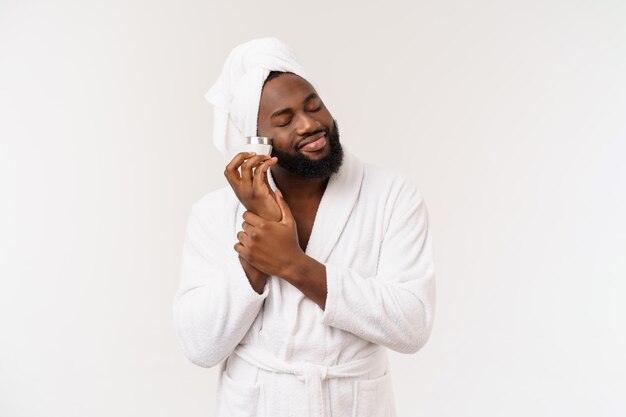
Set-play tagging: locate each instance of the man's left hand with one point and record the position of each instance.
(272, 247)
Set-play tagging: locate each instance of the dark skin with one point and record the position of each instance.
(289, 112)
(254, 192)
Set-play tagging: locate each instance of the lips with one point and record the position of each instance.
(310, 139)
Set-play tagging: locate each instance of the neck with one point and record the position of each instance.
(299, 188)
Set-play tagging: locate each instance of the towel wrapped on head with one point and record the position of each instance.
(236, 95)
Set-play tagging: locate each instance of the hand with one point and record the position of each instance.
(255, 194)
(270, 246)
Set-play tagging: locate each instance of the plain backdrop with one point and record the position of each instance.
(509, 115)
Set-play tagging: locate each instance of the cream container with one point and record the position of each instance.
(260, 144)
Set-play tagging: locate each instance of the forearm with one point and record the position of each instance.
(396, 312)
(309, 276)
(215, 304)
(257, 278)
(211, 317)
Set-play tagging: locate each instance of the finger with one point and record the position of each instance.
(284, 208)
(267, 182)
(252, 218)
(260, 176)
(241, 250)
(246, 168)
(243, 238)
(231, 171)
(247, 227)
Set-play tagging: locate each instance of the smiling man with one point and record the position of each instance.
(308, 151)
(299, 275)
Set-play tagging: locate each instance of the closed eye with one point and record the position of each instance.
(312, 111)
(318, 108)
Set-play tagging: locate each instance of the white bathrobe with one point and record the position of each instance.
(280, 354)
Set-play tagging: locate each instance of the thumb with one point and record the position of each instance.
(284, 208)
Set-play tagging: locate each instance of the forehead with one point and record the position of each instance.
(286, 90)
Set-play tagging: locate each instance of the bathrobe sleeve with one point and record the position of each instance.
(395, 308)
(215, 304)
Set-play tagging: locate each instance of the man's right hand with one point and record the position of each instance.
(255, 194)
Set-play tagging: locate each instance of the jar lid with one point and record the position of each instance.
(263, 140)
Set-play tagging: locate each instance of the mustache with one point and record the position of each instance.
(313, 134)
(332, 131)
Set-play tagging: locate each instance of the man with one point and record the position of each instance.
(299, 275)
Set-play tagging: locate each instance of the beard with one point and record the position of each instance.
(305, 167)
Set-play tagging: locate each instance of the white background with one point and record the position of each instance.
(510, 116)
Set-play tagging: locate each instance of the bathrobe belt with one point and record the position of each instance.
(312, 374)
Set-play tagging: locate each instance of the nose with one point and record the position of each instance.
(307, 124)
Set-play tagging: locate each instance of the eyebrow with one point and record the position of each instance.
(287, 110)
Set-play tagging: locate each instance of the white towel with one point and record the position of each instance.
(236, 95)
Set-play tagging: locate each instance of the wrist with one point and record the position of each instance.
(271, 215)
(254, 275)
(258, 283)
(298, 268)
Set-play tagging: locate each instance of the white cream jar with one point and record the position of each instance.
(260, 144)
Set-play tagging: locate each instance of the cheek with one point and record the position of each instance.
(266, 130)
(326, 117)
(281, 142)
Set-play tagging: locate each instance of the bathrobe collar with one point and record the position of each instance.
(335, 206)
